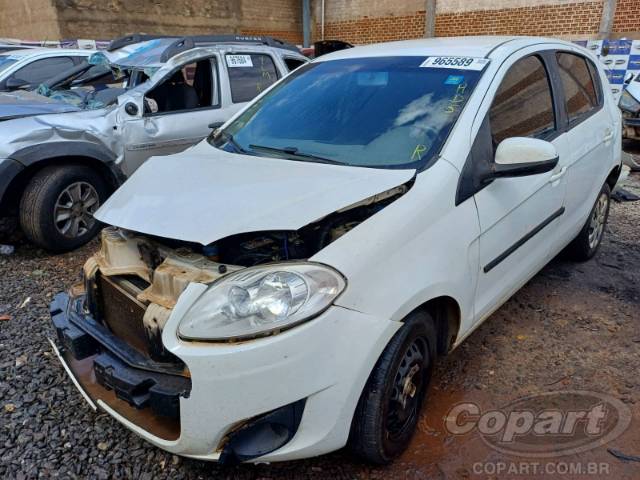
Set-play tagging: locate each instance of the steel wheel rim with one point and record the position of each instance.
(74, 209)
(597, 221)
(408, 389)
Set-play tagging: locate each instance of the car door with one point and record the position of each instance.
(249, 74)
(178, 112)
(518, 216)
(591, 130)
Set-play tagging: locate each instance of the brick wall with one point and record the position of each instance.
(567, 19)
(376, 29)
(627, 18)
(357, 21)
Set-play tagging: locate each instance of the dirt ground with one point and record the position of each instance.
(572, 327)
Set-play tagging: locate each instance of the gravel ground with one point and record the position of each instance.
(574, 326)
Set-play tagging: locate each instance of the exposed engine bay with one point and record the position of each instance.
(133, 282)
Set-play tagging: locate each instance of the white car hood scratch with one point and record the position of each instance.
(204, 194)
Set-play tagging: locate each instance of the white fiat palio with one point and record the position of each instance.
(283, 288)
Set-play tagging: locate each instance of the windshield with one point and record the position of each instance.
(6, 61)
(388, 112)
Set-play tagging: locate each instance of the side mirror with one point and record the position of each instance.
(14, 83)
(628, 78)
(131, 109)
(521, 156)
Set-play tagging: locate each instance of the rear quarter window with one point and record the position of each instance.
(580, 84)
(249, 75)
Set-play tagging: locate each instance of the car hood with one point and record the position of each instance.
(25, 104)
(634, 89)
(205, 194)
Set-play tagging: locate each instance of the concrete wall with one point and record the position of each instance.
(106, 19)
(28, 20)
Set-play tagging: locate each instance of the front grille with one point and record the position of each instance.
(121, 312)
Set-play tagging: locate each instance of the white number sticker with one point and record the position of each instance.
(459, 63)
(239, 61)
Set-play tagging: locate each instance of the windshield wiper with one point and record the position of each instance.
(293, 151)
(227, 137)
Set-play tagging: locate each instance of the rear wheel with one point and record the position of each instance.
(389, 407)
(57, 206)
(586, 244)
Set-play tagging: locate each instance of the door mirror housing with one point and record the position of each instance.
(522, 156)
(13, 83)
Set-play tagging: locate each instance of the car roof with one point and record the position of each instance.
(472, 46)
(158, 52)
(38, 51)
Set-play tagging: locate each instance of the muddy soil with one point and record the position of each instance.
(572, 327)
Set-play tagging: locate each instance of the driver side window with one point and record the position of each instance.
(192, 87)
(523, 105)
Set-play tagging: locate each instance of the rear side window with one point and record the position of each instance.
(42, 70)
(249, 75)
(293, 63)
(578, 82)
(523, 106)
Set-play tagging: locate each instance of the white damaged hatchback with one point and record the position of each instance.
(283, 288)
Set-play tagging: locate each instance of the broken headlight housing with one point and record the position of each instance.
(628, 103)
(261, 300)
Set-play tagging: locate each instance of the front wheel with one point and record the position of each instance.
(586, 244)
(57, 207)
(389, 407)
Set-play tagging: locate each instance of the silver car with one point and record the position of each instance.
(66, 147)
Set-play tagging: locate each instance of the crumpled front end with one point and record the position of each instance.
(277, 397)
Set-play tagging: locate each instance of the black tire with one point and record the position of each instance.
(381, 428)
(39, 200)
(585, 246)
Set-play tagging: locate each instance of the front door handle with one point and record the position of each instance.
(558, 176)
(608, 135)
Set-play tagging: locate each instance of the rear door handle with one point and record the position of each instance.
(608, 135)
(558, 176)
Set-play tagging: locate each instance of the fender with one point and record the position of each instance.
(33, 154)
(9, 169)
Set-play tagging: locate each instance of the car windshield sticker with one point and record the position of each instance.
(459, 63)
(454, 80)
(239, 61)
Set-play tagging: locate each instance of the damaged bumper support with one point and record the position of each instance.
(282, 397)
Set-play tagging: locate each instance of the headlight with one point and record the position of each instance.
(261, 300)
(628, 103)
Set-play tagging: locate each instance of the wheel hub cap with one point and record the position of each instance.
(74, 209)
(597, 221)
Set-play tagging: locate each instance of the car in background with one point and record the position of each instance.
(66, 147)
(629, 104)
(27, 68)
(285, 287)
(7, 47)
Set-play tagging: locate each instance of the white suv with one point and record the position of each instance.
(285, 287)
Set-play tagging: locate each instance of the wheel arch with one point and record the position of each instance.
(446, 313)
(38, 157)
(613, 176)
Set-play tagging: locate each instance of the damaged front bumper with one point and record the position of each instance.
(630, 127)
(282, 397)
